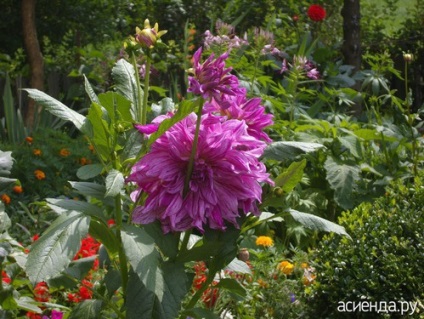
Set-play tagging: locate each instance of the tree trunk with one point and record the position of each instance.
(351, 48)
(35, 57)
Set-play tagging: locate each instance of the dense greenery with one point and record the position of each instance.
(380, 262)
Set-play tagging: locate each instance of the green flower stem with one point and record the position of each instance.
(139, 106)
(184, 244)
(146, 90)
(190, 166)
(411, 123)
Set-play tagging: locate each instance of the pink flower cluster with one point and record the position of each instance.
(302, 64)
(227, 174)
(226, 37)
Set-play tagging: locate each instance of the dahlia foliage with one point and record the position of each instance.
(228, 138)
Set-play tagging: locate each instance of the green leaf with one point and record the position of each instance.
(89, 171)
(117, 106)
(288, 179)
(5, 222)
(201, 313)
(90, 92)
(232, 285)
(352, 143)
(6, 163)
(58, 109)
(114, 183)
(343, 180)
(144, 258)
(78, 269)
(101, 133)
(54, 250)
(27, 304)
(87, 309)
(167, 243)
(289, 150)
(317, 223)
(76, 205)
(184, 109)
(123, 75)
(142, 303)
(237, 265)
(102, 233)
(89, 189)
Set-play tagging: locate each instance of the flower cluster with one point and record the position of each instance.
(211, 294)
(227, 174)
(302, 65)
(316, 12)
(225, 38)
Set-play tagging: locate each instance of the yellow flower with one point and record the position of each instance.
(64, 152)
(286, 267)
(5, 199)
(304, 265)
(264, 241)
(39, 174)
(36, 152)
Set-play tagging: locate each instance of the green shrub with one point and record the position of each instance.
(382, 262)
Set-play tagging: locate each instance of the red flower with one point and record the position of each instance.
(89, 247)
(41, 292)
(5, 278)
(33, 315)
(35, 237)
(316, 12)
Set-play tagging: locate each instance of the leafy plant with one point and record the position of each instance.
(381, 261)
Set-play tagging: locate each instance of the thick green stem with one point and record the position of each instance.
(123, 265)
(190, 166)
(139, 106)
(146, 90)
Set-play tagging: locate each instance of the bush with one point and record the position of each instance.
(382, 262)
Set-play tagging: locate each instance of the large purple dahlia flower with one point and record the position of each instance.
(225, 181)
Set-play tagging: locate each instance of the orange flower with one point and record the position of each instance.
(64, 152)
(264, 241)
(5, 199)
(17, 189)
(83, 161)
(29, 139)
(286, 267)
(39, 174)
(91, 148)
(36, 152)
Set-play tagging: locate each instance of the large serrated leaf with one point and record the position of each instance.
(58, 109)
(343, 179)
(143, 304)
(317, 223)
(88, 309)
(77, 205)
(123, 75)
(114, 183)
(352, 143)
(90, 92)
(288, 179)
(54, 250)
(5, 222)
(143, 257)
(89, 189)
(89, 171)
(117, 106)
(288, 150)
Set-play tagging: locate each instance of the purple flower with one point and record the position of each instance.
(225, 180)
(211, 79)
(251, 111)
(152, 127)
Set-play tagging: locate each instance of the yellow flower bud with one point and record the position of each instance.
(148, 36)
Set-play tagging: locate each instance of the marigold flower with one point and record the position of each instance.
(225, 180)
(5, 199)
(316, 12)
(17, 189)
(286, 267)
(39, 174)
(29, 139)
(83, 161)
(64, 152)
(265, 241)
(36, 152)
